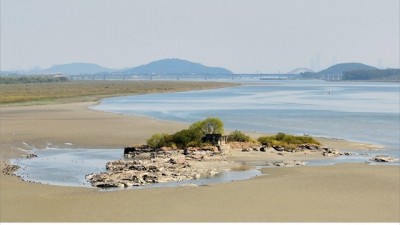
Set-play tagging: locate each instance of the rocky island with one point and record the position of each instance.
(198, 152)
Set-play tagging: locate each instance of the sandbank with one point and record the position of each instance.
(346, 192)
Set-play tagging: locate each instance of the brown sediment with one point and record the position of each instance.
(350, 192)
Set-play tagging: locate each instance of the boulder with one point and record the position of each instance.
(286, 163)
(177, 160)
(246, 149)
(384, 158)
(279, 148)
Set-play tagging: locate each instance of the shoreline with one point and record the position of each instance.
(284, 192)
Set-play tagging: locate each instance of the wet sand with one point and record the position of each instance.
(347, 192)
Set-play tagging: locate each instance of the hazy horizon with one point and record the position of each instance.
(242, 36)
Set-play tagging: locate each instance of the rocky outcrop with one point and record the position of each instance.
(30, 156)
(325, 151)
(384, 158)
(163, 167)
(248, 147)
(131, 151)
(10, 169)
(286, 163)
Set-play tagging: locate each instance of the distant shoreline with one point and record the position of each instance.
(86, 91)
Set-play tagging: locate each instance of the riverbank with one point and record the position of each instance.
(332, 193)
(86, 91)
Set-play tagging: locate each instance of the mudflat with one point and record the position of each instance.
(346, 192)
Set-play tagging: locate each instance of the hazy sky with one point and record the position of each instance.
(242, 35)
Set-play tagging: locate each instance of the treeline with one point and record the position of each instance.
(195, 136)
(388, 74)
(31, 79)
(192, 137)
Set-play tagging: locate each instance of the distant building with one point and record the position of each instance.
(215, 139)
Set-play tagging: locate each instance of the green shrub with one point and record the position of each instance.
(208, 126)
(192, 137)
(238, 136)
(182, 138)
(286, 140)
(159, 140)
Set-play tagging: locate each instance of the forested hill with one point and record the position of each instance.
(339, 69)
(176, 66)
(382, 75)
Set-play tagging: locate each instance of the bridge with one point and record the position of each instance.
(238, 76)
(301, 70)
(272, 76)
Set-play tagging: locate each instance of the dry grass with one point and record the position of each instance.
(78, 91)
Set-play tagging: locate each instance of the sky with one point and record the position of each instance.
(245, 36)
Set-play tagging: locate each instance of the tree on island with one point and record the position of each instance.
(209, 126)
(192, 137)
(195, 135)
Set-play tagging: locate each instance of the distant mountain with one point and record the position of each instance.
(175, 66)
(5, 73)
(338, 69)
(76, 69)
(377, 75)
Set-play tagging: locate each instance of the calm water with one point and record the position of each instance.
(366, 112)
(68, 167)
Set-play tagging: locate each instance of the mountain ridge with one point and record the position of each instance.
(175, 66)
(340, 68)
(171, 66)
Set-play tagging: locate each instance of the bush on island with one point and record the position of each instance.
(159, 140)
(286, 140)
(192, 137)
(238, 136)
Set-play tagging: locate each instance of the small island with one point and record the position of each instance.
(197, 152)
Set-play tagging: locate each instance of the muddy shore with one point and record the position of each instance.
(348, 192)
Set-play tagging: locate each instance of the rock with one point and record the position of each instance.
(30, 156)
(279, 149)
(10, 169)
(224, 149)
(246, 149)
(384, 158)
(150, 178)
(177, 160)
(286, 163)
(212, 172)
(108, 185)
(348, 153)
(165, 149)
(330, 152)
(148, 167)
(143, 156)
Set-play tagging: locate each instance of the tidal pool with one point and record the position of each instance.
(68, 167)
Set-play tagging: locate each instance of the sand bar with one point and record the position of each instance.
(347, 192)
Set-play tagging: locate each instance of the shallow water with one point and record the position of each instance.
(366, 112)
(357, 111)
(68, 167)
